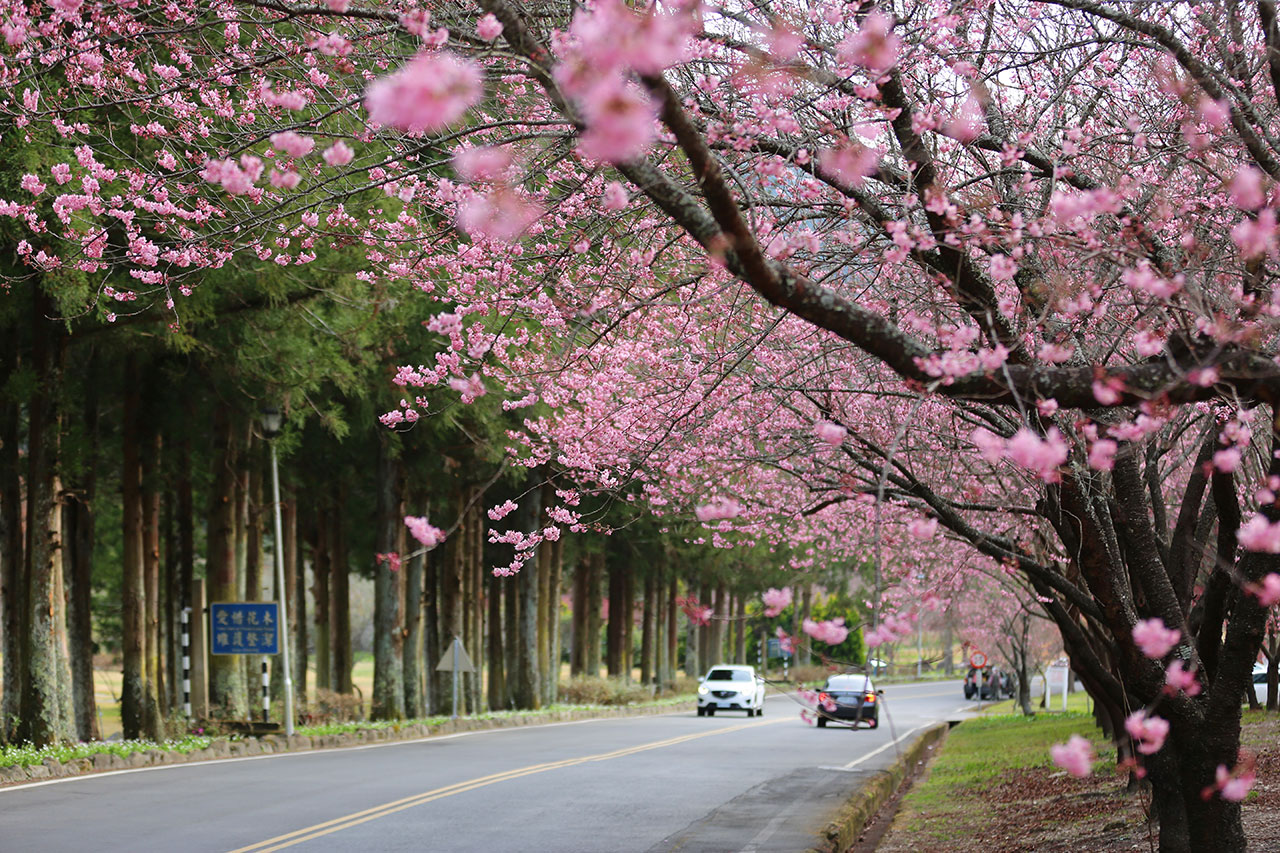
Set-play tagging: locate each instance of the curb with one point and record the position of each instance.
(16, 775)
(844, 829)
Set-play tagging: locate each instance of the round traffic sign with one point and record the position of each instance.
(977, 660)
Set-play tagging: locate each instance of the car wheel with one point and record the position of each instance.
(968, 691)
(702, 712)
(760, 711)
(822, 722)
(711, 710)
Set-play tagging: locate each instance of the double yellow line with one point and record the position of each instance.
(356, 818)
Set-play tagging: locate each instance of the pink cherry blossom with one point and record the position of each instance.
(337, 5)
(1268, 592)
(489, 27)
(786, 642)
(293, 144)
(481, 164)
(1153, 639)
(1102, 454)
(429, 93)
(718, 508)
(1246, 189)
(967, 123)
(1076, 756)
(1177, 677)
(1042, 455)
(32, 184)
(923, 528)
(620, 121)
(1234, 785)
(501, 215)
(1149, 732)
(874, 47)
(850, 163)
(830, 631)
(831, 433)
(776, 600)
(615, 196)
(338, 154)
(421, 530)
(1258, 534)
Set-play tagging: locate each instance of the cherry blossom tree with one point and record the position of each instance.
(991, 275)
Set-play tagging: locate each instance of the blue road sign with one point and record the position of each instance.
(775, 649)
(244, 628)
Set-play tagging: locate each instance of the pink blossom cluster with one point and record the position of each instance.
(873, 47)
(235, 178)
(292, 143)
(1259, 534)
(1233, 785)
(1268, 591)
(831, 433)
(488, 27)
(429, 93)
(891, 629)
(1076, 756)
(391, 559)
(1149, 732)
(1178, 678)
(1027, 450)
(786, 642)
(717, 509)
(422, 530)
(603, 47)
(830, 631)
(922, 528)
(776, 600)
(1153, 639)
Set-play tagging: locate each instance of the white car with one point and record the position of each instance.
(731, 687)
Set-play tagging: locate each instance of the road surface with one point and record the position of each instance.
(659, 783)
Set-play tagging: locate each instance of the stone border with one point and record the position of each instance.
(277, 744)
(838, 835)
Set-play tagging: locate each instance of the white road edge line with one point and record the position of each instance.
(322, 750)
(881, 749)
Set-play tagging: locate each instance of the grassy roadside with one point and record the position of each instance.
(993, 788)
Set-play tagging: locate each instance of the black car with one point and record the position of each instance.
(855, 699)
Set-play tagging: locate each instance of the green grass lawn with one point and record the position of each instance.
(994, 769)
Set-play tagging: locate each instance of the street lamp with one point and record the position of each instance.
(272, 422)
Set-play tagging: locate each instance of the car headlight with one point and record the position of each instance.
(702, 691)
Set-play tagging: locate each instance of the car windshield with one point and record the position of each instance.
(729, 675)
(854, 683)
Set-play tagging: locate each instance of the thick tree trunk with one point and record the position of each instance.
(557, 574)
(613, 656)
(705, 649)
(44, 655)
(341, 660)
(673, 627)
(628, 625)
(740, 629)
(152, 685)
(948, 643)
(388, 642)
(227, 697)
(296, 567)
(497, 670)
(433, 628)
(646, 629)
(578, 626)
(413, 665)
(526, 694)
(12, 557)
(133, 691)
(320, 570)
(79, 519)
(543, 627)
(591, 646)
(511, 635)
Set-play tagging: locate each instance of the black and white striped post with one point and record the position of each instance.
(266, 698)
(186, 664)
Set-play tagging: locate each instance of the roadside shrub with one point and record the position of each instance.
(593, 690)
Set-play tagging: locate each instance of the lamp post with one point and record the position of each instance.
(272, 421)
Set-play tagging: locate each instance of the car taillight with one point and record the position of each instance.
(871, 697)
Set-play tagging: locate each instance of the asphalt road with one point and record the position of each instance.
(661, 783)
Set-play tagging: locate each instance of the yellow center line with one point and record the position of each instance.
(298, 836)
